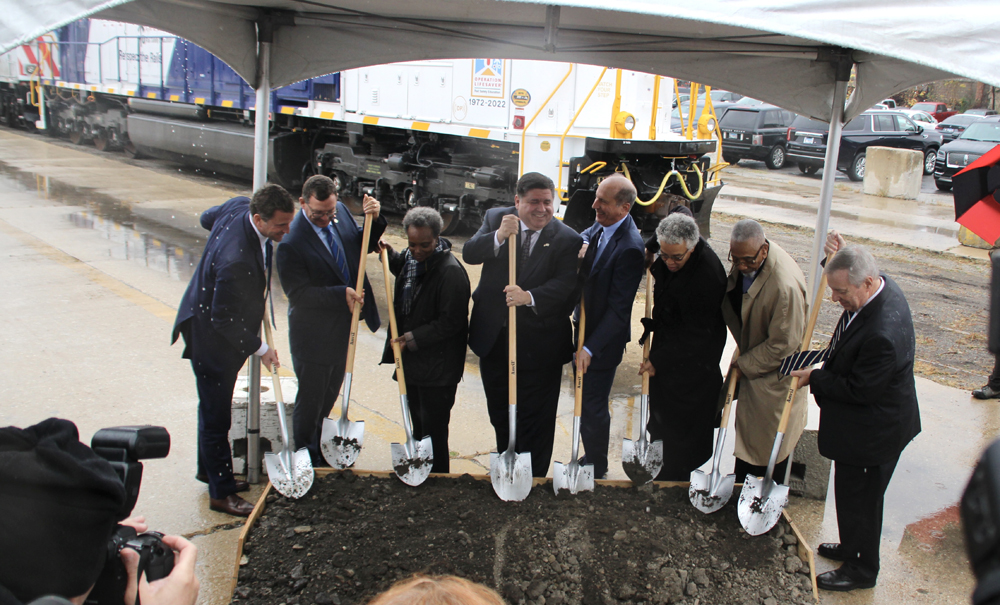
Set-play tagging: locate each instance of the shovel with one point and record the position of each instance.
(290, 473)
(762, 500)
(412, 460)
(711, 492)
(510, 472)
(642, 460)
(341, 440)
(573, 476)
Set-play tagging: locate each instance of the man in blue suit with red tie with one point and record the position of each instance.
(220, 317)
(318, 265)
(612, 269)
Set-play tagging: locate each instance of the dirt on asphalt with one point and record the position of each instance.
(354, 536)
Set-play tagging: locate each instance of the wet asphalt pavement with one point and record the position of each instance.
(99, 252)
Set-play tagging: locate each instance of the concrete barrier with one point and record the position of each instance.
(891, 172)
(270, 431)
(810, 470)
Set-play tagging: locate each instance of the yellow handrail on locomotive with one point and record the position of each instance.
(666, 179)
(656, 102)
(531, 121)
(562, 139)
(594, 167)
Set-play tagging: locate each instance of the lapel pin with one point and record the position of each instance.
(545, 245)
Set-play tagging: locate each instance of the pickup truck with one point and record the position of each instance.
(940, 111)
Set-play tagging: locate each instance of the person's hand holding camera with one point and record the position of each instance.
(178, 588)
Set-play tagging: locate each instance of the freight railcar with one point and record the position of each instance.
(452, 134)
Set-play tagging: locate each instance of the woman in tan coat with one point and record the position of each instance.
(765, 310)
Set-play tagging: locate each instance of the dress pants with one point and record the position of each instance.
(860, 495)
(994, 381)
(537, 403)
(430, 411)
(744, 468)
(595, 418)
(215, 406)
(319, 387)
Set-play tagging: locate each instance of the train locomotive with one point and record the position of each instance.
(452, 134)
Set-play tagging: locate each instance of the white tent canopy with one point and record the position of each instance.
(777, 50)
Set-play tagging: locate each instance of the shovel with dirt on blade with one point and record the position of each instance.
(510, 472)
(709, 493)
(413, 459)
(574, 476)
(291, 473)
(341, 440)
(762, 499)
(642, 460)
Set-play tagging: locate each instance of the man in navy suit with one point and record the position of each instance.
(868, 407)
(612, 267)
(318, 265)
(545, 293)
(220, 317)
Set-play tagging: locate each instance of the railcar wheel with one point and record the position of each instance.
(450, 222)
(76, 136)
(101, 142)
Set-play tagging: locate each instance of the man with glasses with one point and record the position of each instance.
(318, 265)
(765, 309)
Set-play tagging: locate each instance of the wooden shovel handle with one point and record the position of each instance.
(649, 337)
(512, 321)
(806, 342)
(352, 344)
(731, 391)
(578, 399)
(278, 397)
(397, 351)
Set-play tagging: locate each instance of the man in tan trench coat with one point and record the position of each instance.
(765, 309)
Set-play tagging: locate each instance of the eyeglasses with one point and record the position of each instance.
(677, 258)
(746, 260)
(321, 213)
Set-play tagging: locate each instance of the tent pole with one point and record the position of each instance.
(260, 141)
(829, 173)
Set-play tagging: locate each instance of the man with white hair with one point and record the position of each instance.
(765, 309)
(868, 407)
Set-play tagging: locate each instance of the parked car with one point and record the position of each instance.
(922, 118)
(940, 111)
(952, 127)
(980, 112)
(758, 132)
(677, 112)
(889, 103)
(750, 101)
(807, 141)
(718, 96)
(977, 139)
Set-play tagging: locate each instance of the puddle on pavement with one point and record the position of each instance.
(130, 238)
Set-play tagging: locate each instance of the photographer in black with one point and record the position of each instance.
(60, 505)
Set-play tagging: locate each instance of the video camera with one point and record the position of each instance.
(123, 447)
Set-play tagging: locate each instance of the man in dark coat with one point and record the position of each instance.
(612, 268)
(868, 407)
(318, 265)
(545, 293)
(220, 317)
(431, 300)
(689, 336)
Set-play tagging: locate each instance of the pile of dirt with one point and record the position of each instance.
(354, 536)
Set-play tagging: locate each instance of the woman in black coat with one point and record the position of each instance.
(431, 300)
(689, 336)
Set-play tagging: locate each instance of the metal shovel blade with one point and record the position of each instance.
(709, 498)
(573, 476)
(510, 474)
(413, 469)
(291, 483)
(642, 460)
(341, 441)
(760, 508)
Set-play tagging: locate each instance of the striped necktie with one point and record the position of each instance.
(804, 359)
(338, 254)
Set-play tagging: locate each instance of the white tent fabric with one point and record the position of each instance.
(768, 49)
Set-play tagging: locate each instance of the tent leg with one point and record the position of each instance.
(260, 142)
(826, 190)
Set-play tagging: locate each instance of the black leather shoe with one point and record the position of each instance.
(841, 581)
(241, 486)
(986, 392)
(231, 505)
(832, 551)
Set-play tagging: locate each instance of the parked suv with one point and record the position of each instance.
(977, 139)
(755, 132)
(951, 128)
(807, 141)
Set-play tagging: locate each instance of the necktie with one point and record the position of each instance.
(338, 254)
(804, 359)
(526, 246)
(268, 256)
(594, 249)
